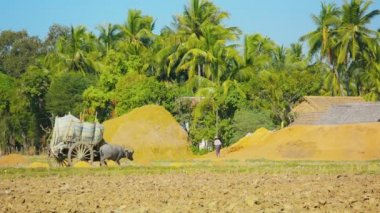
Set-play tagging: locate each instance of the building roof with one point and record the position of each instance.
(312, 108)
(192, 100)
(351, 113)
(323, 103)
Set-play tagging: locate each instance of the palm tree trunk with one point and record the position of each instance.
(12, 144)
(203, 70)
(199, 75)
(216, 121)
(339, 81)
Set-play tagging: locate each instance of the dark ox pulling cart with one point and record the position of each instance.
(73, 140)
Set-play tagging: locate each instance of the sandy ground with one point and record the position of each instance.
(195, 192)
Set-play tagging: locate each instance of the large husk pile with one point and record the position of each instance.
(152, 132)
(310, 142)
(247, 141)
(235, 150)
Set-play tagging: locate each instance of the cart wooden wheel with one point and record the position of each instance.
(80, 152)
(58, 162)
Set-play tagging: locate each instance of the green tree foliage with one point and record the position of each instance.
(213, 115)
(204, 127)
(248, 120)
(56, 32)
(346, 44)
(6, 86)
(194, 69)
(257, 53)
(108, 36)
(97, 104)
(65, 93)
(6, 89)
(17, 51)
(24, 126)
(205, 52)
(34, 86)
(18, 121)
(77, 52)
(136, 33)
(135, 90)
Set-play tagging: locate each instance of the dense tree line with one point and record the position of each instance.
(235, 88)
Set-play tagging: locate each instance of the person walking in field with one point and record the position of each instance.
(218, 146)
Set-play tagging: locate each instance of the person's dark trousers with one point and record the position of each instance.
(217, 149)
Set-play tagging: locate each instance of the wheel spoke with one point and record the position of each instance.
(87, 156)
(64, 163)
(58, 162)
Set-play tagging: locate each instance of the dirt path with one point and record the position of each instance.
(179, 192)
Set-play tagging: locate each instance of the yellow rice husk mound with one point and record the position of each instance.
(243, 144)
(82, 164)
(152, 132)
(313, 142)
(38, 165)
(111, 126)
(13, 160)
(259, 135)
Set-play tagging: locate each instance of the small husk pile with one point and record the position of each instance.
(82, 164)
(39, 165)
(13, 160)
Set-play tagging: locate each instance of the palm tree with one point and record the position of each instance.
(72, 53)
(137, 31)
(279, 58)
(295, 59)
(204, 55)
(371, 83)
(257, 53)
(201, 25)
(109, 35)
(295, 52)
(169, 48)
(357, 43)
(209, 56)
(212, 101)
(321, 41)
(367, 81)
(136, 41)
(354, 36)
(197, 15)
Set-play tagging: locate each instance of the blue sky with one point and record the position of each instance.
(282, 20)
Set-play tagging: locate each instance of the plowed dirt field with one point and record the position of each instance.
(191, 192)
